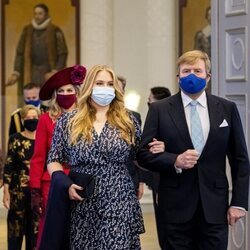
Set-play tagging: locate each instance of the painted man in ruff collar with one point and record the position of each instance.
(41, 51)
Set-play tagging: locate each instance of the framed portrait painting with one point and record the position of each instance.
(25, 46)
(195, 25)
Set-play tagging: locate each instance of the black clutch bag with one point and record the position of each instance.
(87, 181)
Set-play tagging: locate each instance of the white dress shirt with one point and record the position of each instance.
(201, 109)
(203, 114)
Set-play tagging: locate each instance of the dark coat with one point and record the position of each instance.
(134, 171)
(179, 194)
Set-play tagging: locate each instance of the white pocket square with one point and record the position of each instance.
(224, 124)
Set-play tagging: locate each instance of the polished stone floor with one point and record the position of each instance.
(148, 239)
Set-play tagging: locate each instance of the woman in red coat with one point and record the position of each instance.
(62, 90)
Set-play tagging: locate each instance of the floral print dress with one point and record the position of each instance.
(21, 220)
(112, 218)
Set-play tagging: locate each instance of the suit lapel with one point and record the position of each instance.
(215, 118)
(179, 118)
(176, 112)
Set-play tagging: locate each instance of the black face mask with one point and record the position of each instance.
(30, 124)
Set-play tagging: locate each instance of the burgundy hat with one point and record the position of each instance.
(72, 75)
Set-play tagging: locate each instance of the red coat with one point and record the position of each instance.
(39, 176)
(38, 169)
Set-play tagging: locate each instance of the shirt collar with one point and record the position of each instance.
(202, 99)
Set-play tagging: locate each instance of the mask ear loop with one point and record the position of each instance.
(178, 77)
(208, 76)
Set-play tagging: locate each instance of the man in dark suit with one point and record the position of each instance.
(30, 96)
(194, 192)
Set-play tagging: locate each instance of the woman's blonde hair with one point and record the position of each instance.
(54, 109)
(26, 108)
(117, 115)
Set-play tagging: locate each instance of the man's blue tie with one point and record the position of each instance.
(196, 128)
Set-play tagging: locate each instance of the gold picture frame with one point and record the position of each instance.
(194, 17)
(15, 14)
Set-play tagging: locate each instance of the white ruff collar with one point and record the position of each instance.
(42, 25)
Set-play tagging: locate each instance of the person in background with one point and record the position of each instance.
(97, 139)
(62, 89)
(200, 132)
(151, 178)
(16, 193)
(202, 40)
(41, 51)
(158, 93)
(133, 169)
(30, 96)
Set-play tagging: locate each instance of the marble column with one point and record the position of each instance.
(162, 46)
(96, 32)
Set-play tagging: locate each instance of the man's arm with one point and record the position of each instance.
(19, 59)
(147, 159)
(239, 162)
(62, 50)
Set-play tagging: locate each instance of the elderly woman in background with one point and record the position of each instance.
(16, 196)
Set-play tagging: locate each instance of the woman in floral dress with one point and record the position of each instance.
(21, 221)
(97, 139)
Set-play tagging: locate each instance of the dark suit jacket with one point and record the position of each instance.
(207, 182)
(16, 125)
(134, 171)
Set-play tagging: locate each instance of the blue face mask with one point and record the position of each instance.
(192, 84)
(103, 96)
(35, 103)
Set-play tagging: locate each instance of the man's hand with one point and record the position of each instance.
(12, 80)
(187, 159)
(234, 214)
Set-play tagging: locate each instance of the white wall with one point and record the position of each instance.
(137, 38)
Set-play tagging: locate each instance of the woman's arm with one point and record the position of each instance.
(54, 166)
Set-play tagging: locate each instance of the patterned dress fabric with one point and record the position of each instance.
(112, 218)
(21, 221)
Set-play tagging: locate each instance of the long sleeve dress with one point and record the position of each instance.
(21, 221)
(112, 218)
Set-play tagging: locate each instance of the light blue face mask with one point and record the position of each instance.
(103, 96)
